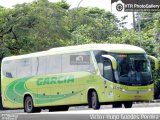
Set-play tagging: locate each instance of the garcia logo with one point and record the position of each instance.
(118, 6)
(55, 80)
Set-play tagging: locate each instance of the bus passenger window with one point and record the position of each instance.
(54, 64)
(24, 67)
(66, 65)
(86, 63)
(42, 66)
(9, 68)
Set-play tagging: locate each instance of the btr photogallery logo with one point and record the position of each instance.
(118, 6)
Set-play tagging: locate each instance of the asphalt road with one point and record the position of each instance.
(85, 108)
(141, 111)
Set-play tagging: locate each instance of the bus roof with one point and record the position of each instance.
(112, 48)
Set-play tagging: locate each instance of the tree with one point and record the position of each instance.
(126, 36)
(91, 25)
(150, 32)
(157, 34)
(63, 4)
(34, 27)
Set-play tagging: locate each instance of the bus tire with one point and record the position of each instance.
(156, 91)
(29, 106)
(94, 101)
(117, 105)
(128, 104)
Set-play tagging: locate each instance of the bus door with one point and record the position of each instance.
(108, 75)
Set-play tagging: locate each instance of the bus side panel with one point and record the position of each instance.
(47, 91)
(59, 89)
(12, 92)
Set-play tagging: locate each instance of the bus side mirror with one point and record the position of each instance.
(154, 62)
(113, 60)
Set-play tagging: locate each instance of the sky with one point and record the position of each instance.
(103, 4)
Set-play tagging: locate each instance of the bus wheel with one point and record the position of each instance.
(117, 105)
(29, 107)
(128, 104)
(94, 100)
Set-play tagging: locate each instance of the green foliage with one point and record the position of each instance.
(92, 25)
(150, 25)
(34, 27)
(41, 25)
(125, 36)
(63, 4)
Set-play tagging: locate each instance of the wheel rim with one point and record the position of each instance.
(93, 100)
(28, 105)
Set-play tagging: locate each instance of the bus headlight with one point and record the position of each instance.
(123, 90)
(150, 90)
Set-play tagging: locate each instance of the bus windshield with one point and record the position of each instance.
(133, 69)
